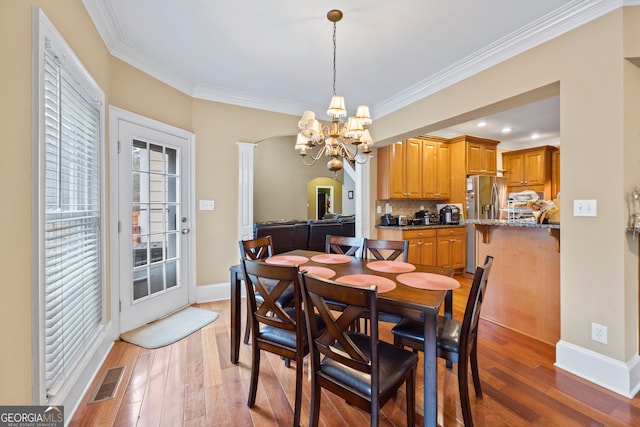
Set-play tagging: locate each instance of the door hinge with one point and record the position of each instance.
(118, 226)
(119, 306)
(118, 146)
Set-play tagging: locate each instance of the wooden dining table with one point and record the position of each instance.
(418, 301)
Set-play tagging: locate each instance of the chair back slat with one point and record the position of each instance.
(386, 249)
(334, 341)
(259, 248)
(344, 245)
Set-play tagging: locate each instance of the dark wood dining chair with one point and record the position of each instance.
(354, 366)
(276, 329)
(261, 248)
(346, 245)
(386, 249)
(457, 342)
(258, 248)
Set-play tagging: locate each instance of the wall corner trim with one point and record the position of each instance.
(620, 377)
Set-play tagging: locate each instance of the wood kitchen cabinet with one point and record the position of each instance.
(436, 169)
(451, 247)
(474, 156)
(400, 170)
(470, 155)
(481, 158)
(417, 168)
(529, 169)
(422, 244)
(444, 247)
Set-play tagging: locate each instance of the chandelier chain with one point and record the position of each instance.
(334, 58)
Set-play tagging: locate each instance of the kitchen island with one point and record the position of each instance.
(524, 286)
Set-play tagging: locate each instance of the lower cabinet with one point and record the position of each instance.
(452, 249)
(422, 246)
(444, 247)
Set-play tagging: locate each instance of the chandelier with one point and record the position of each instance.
(337, 140)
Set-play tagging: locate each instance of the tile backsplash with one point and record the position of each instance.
(405, 207)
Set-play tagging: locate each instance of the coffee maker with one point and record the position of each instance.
(450, 215)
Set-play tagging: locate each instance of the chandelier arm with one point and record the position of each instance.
(316, 156)
(311, 163)
(346, 153)
(366, 159)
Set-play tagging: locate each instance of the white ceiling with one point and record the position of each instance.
(277, 55)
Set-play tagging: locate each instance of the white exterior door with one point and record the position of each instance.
(154, 238)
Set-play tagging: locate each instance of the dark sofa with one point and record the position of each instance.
(311, 234)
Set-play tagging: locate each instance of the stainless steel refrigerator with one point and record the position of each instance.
(485, 195)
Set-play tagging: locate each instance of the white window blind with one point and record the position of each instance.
(72, 236)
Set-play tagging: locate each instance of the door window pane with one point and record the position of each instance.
(155, 218)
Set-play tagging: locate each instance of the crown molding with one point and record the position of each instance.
(244, 99)
(550, 26)
(105, 22)
(562, 20)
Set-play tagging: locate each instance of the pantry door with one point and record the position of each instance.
(155, 220)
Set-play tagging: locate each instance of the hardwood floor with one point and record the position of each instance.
(193, 383)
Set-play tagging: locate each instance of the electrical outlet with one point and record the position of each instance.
(599, 333)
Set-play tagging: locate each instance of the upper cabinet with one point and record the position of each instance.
(470, 155)
(417, 168)
(529, 169)
(481, 158)
(436, 169)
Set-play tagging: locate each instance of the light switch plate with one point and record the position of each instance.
(585, 208)
(207, 205)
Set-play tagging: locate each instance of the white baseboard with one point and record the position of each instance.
(620, 377)
(215, 292)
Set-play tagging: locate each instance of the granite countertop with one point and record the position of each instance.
(504, 222)
(419, 227)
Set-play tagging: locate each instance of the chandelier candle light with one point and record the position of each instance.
(334, 140)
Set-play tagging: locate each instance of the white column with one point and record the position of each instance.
(245, 190)
(363, 198)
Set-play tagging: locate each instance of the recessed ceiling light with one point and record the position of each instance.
(535, 135)
(482, 124)
(506, 130)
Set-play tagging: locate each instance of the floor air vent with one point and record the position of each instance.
(109, 385)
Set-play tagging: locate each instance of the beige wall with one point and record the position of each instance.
(599, 265)
(218, 127)
(599, 133)
(280, 180)
(72, 21)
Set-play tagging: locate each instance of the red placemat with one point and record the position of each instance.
(323, 272)
(383, 284)
(431, 281)
(331, 258)
(391, 266)
(287, 260)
